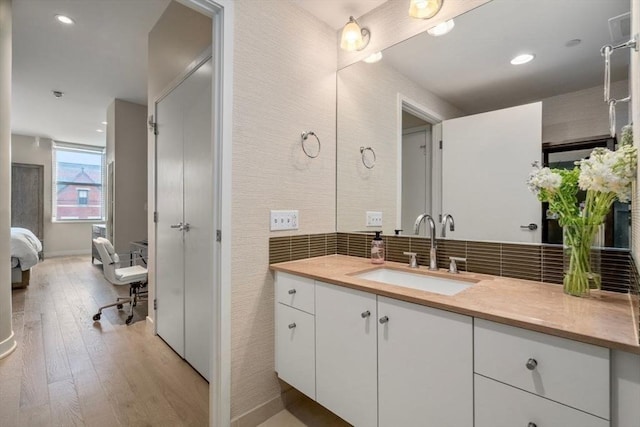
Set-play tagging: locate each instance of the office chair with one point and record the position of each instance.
(135, 276)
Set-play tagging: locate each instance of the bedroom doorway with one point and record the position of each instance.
(184, 205)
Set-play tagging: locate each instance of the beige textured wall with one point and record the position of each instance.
(179, 36)
(368, 116)
(127, 147)
(284, 83)
(581, 114)
(59, 238)
(390, 23)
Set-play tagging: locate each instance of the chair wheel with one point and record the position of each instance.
(129, 319)
(96, 317)
(119, 306)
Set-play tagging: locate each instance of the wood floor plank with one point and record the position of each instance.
(70, 370)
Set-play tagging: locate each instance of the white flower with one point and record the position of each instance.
(543, 178)
(609, 171)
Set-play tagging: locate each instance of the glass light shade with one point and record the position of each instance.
(442, 28)
(351, 36)
(424, 9)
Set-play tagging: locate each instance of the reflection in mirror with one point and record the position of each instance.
(404, 105)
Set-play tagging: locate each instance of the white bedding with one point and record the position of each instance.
(24, 247)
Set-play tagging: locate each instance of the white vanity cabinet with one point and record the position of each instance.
(540, 376)
(295, 332)
(346, 353)
(425, 366)
(385, 362)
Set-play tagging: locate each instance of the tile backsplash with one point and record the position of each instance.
(521, 261)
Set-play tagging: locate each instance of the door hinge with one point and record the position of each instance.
(153, 126)
(218, 235)
(441, 144)
(155, 304)
(155, 217)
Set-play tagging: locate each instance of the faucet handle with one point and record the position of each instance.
(413, 262)
(453, 267)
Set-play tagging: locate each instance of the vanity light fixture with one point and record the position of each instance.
(522, 59)
(65, 19)
(373, 58)
(442, 28)
(353, 37)
(424, 9)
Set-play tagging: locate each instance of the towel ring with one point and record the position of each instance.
(368, 164)
(303, 138)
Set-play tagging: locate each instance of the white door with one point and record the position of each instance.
(486, 159)
(184, 280)
(169, 205)
(346, 353)
(198, 208)
(416, 177)
(425, 366)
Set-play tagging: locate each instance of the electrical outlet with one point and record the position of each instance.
(374, 219)
(284, 220)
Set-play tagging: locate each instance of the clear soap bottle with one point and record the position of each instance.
(377, 249)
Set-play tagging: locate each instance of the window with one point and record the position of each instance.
(78, 177)
(83, 197)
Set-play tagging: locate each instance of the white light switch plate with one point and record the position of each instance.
(374, 219)
(284, 220)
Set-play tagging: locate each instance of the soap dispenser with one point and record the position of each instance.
(377, 249)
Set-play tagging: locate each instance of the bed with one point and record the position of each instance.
(25, 253)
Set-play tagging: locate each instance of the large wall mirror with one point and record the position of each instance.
(447, 125)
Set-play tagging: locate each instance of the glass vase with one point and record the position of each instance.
(581, 259)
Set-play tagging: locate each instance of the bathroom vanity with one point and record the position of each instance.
(502, 352)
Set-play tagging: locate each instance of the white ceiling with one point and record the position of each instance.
(102, 57)
(470, 66)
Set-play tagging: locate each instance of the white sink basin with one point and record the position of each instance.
(439, 285)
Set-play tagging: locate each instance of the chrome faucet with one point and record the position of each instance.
(433, 264)
(452, 226)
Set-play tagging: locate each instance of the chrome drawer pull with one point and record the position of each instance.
(384, 320)
(292, 325)
(531, 365)
(365, 314)
(292, 291)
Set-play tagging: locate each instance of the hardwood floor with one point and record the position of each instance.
(71, 371)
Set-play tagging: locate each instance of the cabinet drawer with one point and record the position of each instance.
(500, 405)
(295, 291)
(573, 373)
(295, 348)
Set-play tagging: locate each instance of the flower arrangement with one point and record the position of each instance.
(606, 176)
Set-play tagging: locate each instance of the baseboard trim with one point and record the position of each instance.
(8, 345)
(260, 413)
(150, 320)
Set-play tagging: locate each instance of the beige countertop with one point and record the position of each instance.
(604, 318)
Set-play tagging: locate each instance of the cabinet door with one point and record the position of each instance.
(500, 405)
(295, 349)
(346, 353)
(425, 370)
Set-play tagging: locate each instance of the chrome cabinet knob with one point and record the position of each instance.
(383, 320)
(365, 314)
(292, 325)
(532, 425)
(292, 291)
(531, 364)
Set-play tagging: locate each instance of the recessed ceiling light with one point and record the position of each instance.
(65, 19)
(373, 58)
(572, 43)
(442, 28)
(99, 130)
(522, 59)
(104, 123)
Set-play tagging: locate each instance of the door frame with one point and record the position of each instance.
(222, 15)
